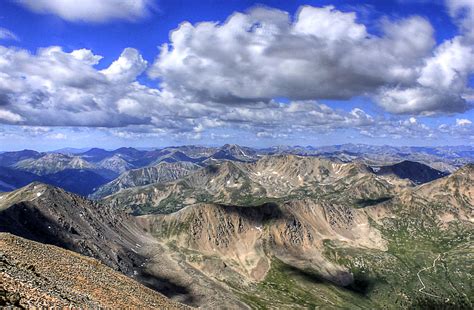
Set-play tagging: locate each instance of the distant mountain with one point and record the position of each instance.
(78, 181)
(11, 179)
(163, 172)
(194, 151)
(11, 158)
(115, 163)
(446, 159)
(130, 153)
(52, 163)
(235, 153)
(416, 172)
(70, 150)
(95, 154)
(172, 156)
(270, 178)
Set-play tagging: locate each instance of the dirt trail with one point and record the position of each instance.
(421, 290)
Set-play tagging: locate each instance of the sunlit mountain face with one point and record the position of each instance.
(236, 154)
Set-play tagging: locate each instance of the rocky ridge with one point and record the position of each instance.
(39, 275)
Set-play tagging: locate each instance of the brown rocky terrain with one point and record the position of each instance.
(312, 235)
(160, 173)
(245, 239)
(50, 215)
(272, 177)
(42, 276)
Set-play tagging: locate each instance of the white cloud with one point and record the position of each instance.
(463, 12)
(324, 53)
(463, 122)
(127, 67)
(57, 136)
(9, 117)
(56, 88)
(6, 34)
(227, 75)
(420, 100)
(96, 11)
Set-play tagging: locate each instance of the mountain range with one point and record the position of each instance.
(95, 167)
(240, 228)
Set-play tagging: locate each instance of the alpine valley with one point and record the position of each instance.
(336, 227)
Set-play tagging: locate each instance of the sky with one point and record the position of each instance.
(153, 73)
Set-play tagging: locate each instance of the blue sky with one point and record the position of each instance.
(154, 73)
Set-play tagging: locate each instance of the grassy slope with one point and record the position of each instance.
(383, 280)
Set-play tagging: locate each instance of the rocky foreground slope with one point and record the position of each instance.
(38, 275)
(50, 215)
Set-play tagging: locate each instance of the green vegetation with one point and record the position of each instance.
(415, 241)
(362, 203)
(287, 287)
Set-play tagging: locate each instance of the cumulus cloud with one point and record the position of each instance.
(227, 75)
(56, 88)
(420, 100)
(462, 128)
(400, 129)
(463, 13)
(6, 34)
(463, 122)
(96, 11)
(323, 54)
(9, 117)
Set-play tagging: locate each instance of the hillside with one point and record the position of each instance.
(163, 172)
(50, 215)
(52, 163)
(416, 172)
(270, 178)
(39, 275)
(332, 251)
(11, 179)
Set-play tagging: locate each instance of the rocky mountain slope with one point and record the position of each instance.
(51, 163)
(38, 275)
(416, 172)
(11, 179)
(161, 173)
(50, 215)
(270, 178)
(327, 251)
